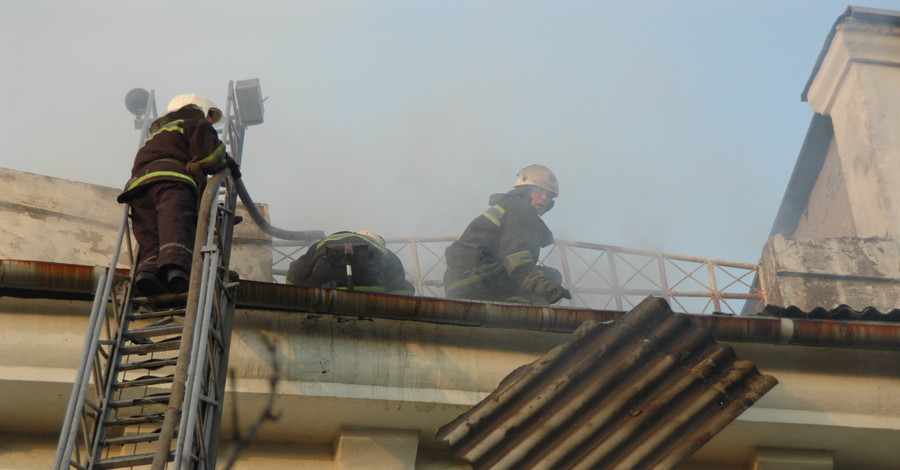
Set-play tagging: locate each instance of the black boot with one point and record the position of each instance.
(147, 284)
(178, 280)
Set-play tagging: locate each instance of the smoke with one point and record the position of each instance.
(669, 126)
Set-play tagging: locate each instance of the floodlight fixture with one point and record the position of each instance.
(136, 101)
(249, 102)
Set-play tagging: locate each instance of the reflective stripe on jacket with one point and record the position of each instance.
(166, 153)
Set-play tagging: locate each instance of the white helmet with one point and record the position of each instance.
(209, 109)
(374, 236)
(540, 176)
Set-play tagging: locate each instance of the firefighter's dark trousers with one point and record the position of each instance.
(490, 282)
(164, 221)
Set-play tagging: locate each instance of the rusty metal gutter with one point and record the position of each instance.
(35, 279)
(40, 279)
(800, 332)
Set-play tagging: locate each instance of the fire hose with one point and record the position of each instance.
(265, 226)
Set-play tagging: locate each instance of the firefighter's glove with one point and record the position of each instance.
(538, 283)
(195, 171)
(234, 167)
(555, 293)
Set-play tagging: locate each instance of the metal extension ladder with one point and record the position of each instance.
(151, 383)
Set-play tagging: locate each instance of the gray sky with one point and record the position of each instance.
(671, 126)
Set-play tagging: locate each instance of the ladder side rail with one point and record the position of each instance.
(210, 380)
(199, 297)
(197, 370)
(211, 360)
(106, 371)
(66, 444)
(220, 301)
(227, 303)
(107, 379)
(171, 419)
(75, 406)
(197, 362)
(224, 315)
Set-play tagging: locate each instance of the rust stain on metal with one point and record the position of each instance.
(841, 327)
(863, 334)
(59, 277)
(253, 294)
(645, 391)
(269, 296)
(733, 328)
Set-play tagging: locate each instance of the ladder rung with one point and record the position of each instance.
(160, 302)
(136, 420)
(144, 381)
(128, 461)
(156, 399)
(170, 312)
(152, 347)
(152, 331)
(150, 364)
(131, 439)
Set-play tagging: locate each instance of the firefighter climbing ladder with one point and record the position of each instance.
(150, 386)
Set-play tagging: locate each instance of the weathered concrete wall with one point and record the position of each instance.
(828, 272)
(369, 379)
(844, 248)
(62, 221)
(828, 213)
(856, 86)
(50, 219)
(251, 249)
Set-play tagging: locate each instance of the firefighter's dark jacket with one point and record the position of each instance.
(166, 154)
(508, 235)
(374, 267)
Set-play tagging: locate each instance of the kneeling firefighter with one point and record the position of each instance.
(495, 258)
(352, 261)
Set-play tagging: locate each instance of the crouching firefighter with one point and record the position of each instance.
(167, 179)
(495, 258)
(351, 261)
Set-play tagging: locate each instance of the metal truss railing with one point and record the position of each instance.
(600, 277)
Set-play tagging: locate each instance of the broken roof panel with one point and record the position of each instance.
(644, 391)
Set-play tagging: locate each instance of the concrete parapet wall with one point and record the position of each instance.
(61, 221)
(55, 220)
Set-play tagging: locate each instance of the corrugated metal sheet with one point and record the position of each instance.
(841, 312)
(645, 391)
